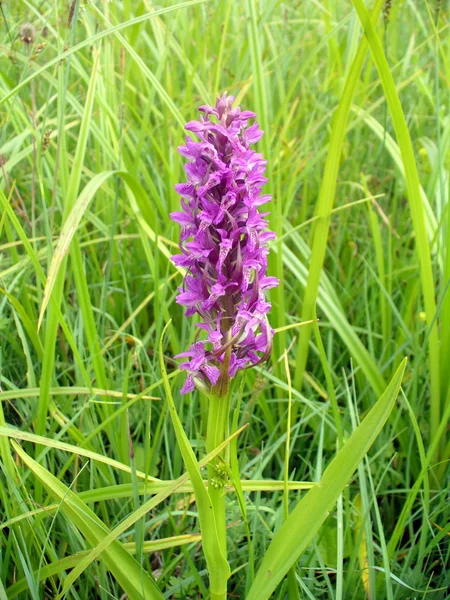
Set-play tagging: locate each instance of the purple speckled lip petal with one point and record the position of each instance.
(224, 244)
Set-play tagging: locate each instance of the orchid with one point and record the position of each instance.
(224, 245)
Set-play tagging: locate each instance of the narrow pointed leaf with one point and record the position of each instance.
(416, 205)
(136, 582)
(68, 231)
(69, 562)
(215, 560)
(170, 488)
(300, 528)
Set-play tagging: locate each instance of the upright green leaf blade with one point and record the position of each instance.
(27, 322)
(298, 531)
(326, 200)
(89, 41)
(26, 436)
(167, 489)
(416, 204)
(69, 562)
(217, 564)
(68, 231)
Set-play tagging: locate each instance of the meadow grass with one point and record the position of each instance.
(95, 438)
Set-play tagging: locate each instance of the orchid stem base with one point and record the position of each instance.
(217, 432)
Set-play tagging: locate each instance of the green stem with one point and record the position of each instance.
(217, 432)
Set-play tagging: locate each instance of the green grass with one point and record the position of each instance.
(95, 494)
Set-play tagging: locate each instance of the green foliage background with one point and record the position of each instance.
(92, 109)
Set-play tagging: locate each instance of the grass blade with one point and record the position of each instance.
(170, 488)
(417, 208)
(68, 231)
(43, 441)
(27, 322)
(69, 562)
(94, 38)
(134, 581)
(326, 200)
(298, 531)
(71, 193)
(217, 565)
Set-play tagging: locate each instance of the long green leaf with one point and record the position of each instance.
(41, 276)
(326, 200)
(298, 531)
(69, 562)
(68, 231)
(170, 488)
(73, 391)
(44, 441)
(393, 149)
(126, 490)
(128, 573)
(91, 40)
(333, 310)
(217, 564)
(74, 218)
(27, 322)
(70, 193)
(416, 204)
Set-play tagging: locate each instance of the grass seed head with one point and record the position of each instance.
(387, 10)
(27, 33)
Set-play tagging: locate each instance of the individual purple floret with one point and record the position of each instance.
(224, 245)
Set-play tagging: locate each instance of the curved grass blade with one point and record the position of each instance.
(333, 310)
(170, 488)
(73, 391)
(68, 231)
(416, 204)
(393, 149)
(41, 276)
(298, 531)
(414, 491)
(136, 582)
(126, 490)
(218, 567)
(27, 323)
(70, 192)
(69, 562)
(326, 200)
(44, 441)
(94, 38)
(74, 218)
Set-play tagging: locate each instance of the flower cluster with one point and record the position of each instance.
(224, 244)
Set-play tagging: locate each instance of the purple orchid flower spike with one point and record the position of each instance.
(224, 246)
